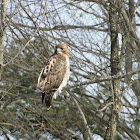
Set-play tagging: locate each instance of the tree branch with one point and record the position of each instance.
(108, 78)
(64, 27)
(83, 117)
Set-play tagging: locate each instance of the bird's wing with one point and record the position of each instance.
(52, 74)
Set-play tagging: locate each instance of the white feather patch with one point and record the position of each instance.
(65, 79)
(39, 78)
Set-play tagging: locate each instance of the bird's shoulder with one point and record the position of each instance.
(54, 63)
(55, 59)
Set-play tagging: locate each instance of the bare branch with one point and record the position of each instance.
(64, 27)
(83, 117)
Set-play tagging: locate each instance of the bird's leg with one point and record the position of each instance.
(43, 95)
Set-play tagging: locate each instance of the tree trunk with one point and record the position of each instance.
(115, 70)
(128, 59)
(135, 85)
(2, 32)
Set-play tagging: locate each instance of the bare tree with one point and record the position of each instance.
(103, 90)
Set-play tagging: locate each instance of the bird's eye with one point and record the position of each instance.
(61, 48)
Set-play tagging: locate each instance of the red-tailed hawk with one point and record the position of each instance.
(55, 74)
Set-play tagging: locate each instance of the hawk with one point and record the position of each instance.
(55, 74)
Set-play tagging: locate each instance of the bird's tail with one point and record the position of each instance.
(48, 99)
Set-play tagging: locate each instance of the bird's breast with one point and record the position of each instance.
(65, 79)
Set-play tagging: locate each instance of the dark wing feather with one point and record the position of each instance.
(49, 98)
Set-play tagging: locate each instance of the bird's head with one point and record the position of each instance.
(62, 49)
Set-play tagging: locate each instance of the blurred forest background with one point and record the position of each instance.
(103, 38)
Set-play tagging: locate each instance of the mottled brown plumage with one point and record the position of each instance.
(55, 74)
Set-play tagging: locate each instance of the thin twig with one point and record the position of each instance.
(102, 109)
